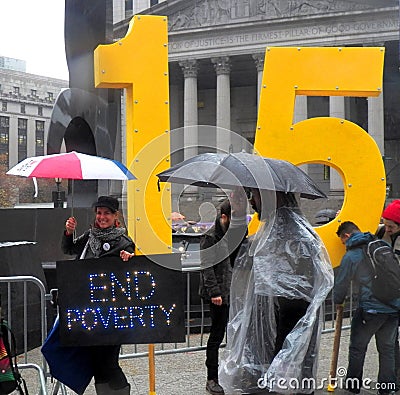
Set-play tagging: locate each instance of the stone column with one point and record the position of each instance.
(190, 116)
(300, 114)
(300, 109)
(337, 110)
(222, 68)
(13, 142)
(259, 61)
(31, 138)
(376, 126)
(177, 132)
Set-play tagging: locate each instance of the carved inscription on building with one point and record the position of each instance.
(283, 35)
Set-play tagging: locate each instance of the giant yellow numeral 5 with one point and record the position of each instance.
(330, 141)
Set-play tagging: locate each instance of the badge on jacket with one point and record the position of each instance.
(106, 247)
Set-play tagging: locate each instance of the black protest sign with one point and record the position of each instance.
(109, 301)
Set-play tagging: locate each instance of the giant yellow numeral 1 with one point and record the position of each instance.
(139, 63)
(330, 141)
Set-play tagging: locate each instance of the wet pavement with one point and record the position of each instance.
(185, 373)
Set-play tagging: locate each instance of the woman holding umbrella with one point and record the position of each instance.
(105, 238)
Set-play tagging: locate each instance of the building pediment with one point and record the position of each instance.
(192, 14)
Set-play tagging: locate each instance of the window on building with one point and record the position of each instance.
(327, 172)
(128, 8)
(153, 2)
(33, 92)
(50, 95)
(40, 110)
(22, 136)
(39, 137)
(3, 106)
(23, 108)
(16, 90)
(4, 133)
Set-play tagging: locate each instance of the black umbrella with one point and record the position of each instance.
(242, 169)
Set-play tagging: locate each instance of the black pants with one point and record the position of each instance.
(363, 326)
(106, 367)
(397, 357)
(219, 319)
(289, 312)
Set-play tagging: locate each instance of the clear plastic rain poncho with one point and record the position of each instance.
(284, 259)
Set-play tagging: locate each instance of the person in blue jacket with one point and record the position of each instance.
(372, 317)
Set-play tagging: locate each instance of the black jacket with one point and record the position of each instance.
(120, 243)
(216, 262)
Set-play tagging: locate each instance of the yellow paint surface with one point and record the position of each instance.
(139, 63)
(328, 141)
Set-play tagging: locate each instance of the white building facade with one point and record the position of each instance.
(216, 52)
(26, 104)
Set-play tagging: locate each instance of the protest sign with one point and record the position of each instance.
(108, 301)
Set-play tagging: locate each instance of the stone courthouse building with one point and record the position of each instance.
(216, 53)
(26, 103)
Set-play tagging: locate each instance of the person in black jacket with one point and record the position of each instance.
(215, 281)
(105, 238)
(389, 231)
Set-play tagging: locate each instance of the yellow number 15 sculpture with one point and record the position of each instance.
(139, 63)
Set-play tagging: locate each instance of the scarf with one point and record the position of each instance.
(99, 236)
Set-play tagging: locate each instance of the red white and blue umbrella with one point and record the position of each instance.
(72, 165)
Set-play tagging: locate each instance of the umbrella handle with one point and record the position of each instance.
(72, 206)
(72, 197)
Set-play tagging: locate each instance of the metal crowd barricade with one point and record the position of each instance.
(190, 344)
(328, 310)
(174, 348)
(40, 370)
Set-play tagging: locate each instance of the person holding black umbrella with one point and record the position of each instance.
(280, 279)
(284, 262)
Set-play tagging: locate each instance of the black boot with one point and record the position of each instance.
(123, 391)
(102, 389)
(105, 389)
